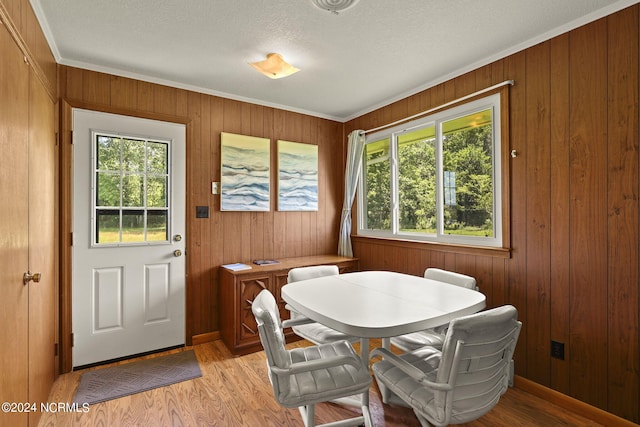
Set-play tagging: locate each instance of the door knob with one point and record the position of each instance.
(177, 253)
(28, 277)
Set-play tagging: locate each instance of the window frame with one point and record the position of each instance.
(95, 208)
(498, 102)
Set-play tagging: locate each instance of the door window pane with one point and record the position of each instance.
(157, 192)
(108, 153)
(158, 157)
(157, 225)
(133, 155)
(133, 227)
(107, 226)
(108, 189)
(133, 190)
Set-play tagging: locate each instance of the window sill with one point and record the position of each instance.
(437, 246)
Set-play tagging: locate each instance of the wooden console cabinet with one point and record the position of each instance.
(238, 289)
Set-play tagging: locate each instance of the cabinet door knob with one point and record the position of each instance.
(28, 277)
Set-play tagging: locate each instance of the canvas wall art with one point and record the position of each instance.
(245, 173)
(297, 176)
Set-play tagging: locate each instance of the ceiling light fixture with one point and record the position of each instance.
(334, 6)
(274, 66)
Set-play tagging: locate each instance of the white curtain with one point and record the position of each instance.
(351, 175)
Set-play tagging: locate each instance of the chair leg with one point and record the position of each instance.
(366, 414)
(511, 372)
(308, 413)
(308, 416)
(385, 393)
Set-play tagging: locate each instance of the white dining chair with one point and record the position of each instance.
(451, 277)
(462, 382)
(312, 331)
(433, 337)
(304, 377)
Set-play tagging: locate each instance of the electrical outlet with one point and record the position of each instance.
(557, 350)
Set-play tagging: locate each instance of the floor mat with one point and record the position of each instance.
(135, 377)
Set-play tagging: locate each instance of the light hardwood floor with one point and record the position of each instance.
(235, 391)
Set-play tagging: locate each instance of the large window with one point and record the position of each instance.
(437, 178)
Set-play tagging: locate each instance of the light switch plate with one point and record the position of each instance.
(215, 188)
(202, 211)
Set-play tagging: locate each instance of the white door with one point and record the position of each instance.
(128, 236)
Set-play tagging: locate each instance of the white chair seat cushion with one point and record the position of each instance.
(416, 340)
(409, 390)
(324, 384)
(318, 333)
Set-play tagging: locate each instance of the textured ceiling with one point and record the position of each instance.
(366, 56)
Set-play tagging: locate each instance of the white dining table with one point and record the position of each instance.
(380, 304)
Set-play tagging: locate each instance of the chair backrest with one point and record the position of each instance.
(451, 278)
(475, 360)
(267, 316)
(311, 272)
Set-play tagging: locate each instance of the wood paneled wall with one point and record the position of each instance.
(573, 272)
(31, 40)
(224, 237)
